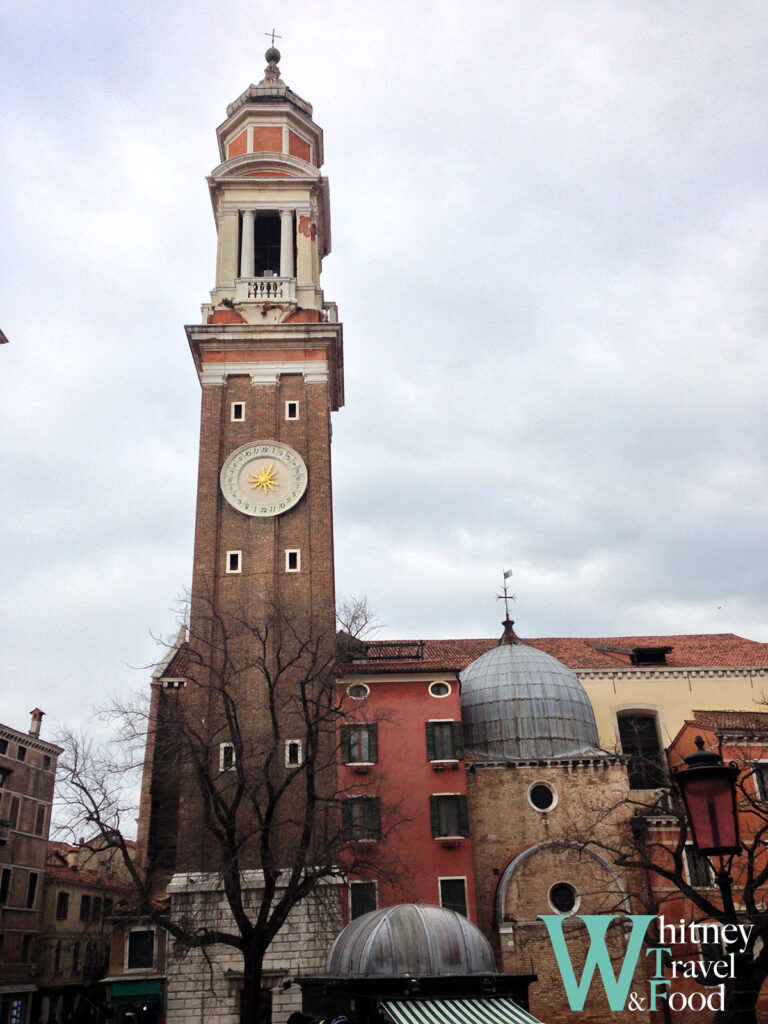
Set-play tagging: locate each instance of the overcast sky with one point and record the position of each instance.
(549, 253)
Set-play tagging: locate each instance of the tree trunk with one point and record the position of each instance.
(741, 995)
(252, 1010)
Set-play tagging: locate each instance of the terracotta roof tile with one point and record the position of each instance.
(698, 650)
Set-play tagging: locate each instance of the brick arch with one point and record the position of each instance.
(517, 861)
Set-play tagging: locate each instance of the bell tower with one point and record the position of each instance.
(268, 354)
(269, 359)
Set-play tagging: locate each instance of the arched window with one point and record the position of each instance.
(639, 737)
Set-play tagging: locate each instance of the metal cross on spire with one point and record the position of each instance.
(274, 37)
(505, 596)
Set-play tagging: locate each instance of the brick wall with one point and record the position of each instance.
(205, 986)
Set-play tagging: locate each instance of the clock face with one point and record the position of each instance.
(263, 478)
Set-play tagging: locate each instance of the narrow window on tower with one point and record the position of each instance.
(293, 560)
(226, 757)
(234, 561)
(293, 756)
(291, 410)
(238, 412)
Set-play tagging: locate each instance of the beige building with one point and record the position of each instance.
(27, 773)
(82, 886)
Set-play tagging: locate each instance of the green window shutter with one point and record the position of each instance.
(458, 744)
(345, 744)
(434, 815)
(430, 742)
(463, 816)
(375, 818)
(373, 742)
(346, 819)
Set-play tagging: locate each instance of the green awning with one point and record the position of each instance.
(457, 1011)
(135, 991)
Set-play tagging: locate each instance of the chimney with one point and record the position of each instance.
(34, 725)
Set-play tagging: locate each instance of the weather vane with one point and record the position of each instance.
(272, 33)
(504, 596)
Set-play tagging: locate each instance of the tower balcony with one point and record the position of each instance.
(265, 289)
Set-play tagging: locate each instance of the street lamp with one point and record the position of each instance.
(708, 789)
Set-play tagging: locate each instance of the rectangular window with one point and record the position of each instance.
(760, 775)
(453, 894)
(96, 909)
(13, 812)
(292, 753)
(85, 908)
(700, 873)
(361, 819)
(226, 757)
(47, 762)
(639, 737)
(448, 814)
(40, 820)
(75, 957)
(21, 754)
(359, 744)
(57, 958)
(293, 560)
(291, 410)
(141, 949)
(234, 561)
(62, 906)
(362, 898)
(174, 684)
(5, 886)
(26, 948)
(444, 742)
(238, 412)
(3, 746)
(31, 889)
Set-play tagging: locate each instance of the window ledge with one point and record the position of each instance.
(450, 842)
(440, 765)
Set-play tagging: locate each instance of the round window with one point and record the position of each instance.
(358, 691)
(542, 796)
(439, 689)
(563, 898)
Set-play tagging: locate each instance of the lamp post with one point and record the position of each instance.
(708, 789)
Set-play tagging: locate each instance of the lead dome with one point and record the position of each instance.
(409, 939)
(519, 703)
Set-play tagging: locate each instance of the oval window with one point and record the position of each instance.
(563, 898)
(542, 796)
(358, 691)
(440, 689)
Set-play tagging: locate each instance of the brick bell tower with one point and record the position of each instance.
(269, 358)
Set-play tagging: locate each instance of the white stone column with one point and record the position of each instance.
(247, 245)
(286, 243)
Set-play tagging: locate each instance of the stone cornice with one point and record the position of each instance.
(637, 674)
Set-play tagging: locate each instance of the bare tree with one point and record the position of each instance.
(356, 618)
(239, 774)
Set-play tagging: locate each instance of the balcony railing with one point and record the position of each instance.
(265, 289)
(5, 831)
